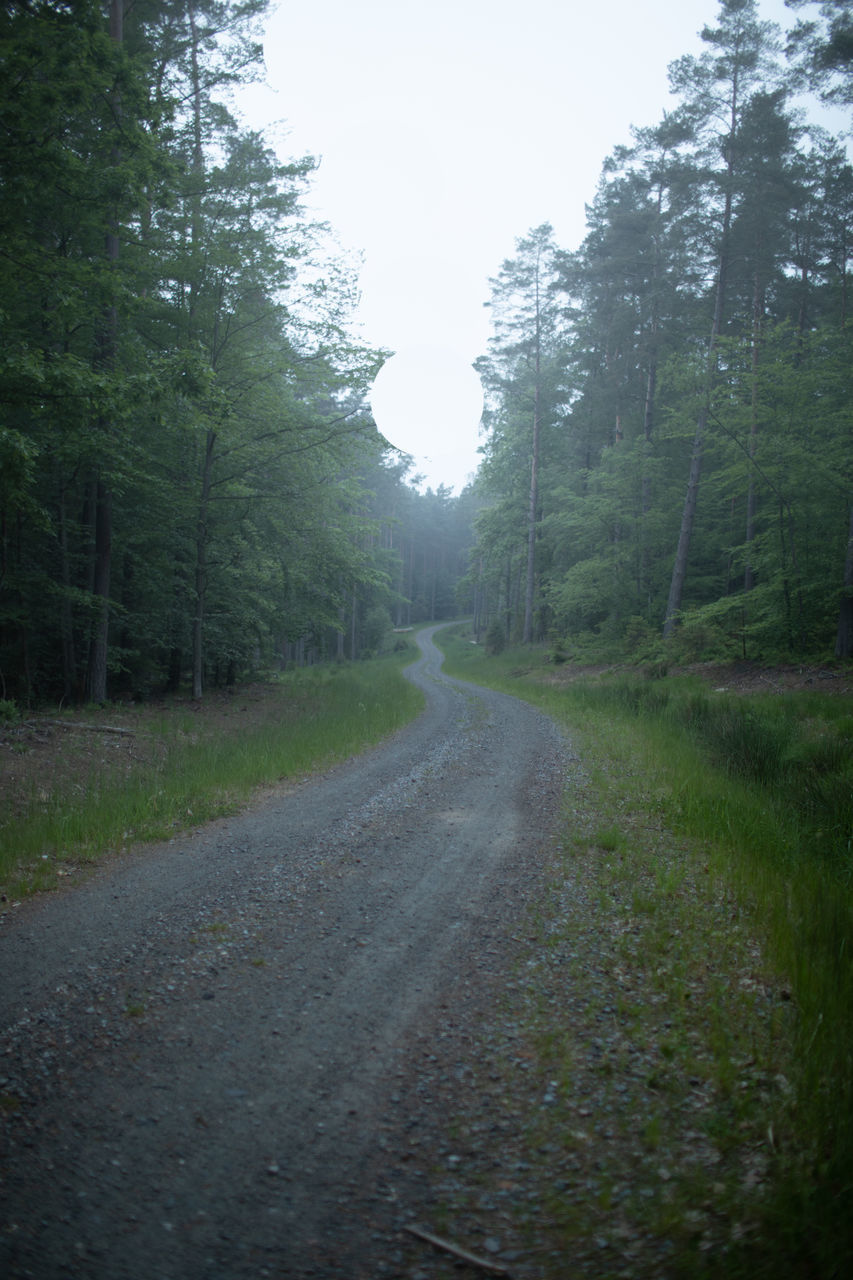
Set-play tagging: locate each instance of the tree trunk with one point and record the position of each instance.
(207, 466)
(96, 678)
(751, 500)
(201, 566)
(533, 504)
(69, 655)
(679, 570)
(649, 407)
(844, 638)
(688, 516)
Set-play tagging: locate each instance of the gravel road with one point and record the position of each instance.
(207, 1047)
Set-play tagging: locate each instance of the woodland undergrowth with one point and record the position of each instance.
(84, 783)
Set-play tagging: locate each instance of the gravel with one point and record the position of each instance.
(220, 1054)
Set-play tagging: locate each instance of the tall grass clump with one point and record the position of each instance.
(191, 771)
(742, 742)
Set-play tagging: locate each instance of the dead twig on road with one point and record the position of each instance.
(483, 1264)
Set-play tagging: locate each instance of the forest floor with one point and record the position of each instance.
(739, 677)
(55, 752)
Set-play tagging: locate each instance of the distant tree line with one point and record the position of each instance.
(191, 483)
(669, 408)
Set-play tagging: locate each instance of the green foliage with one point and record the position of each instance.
(377, 628)
(9, 712)
(495, 637)
(710, 634)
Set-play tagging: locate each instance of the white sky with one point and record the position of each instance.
(446, 130)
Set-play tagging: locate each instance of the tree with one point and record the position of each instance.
(518, 374)
(716, 88)
(107, 353)
(822, 47)
(267, 380)
(624, 294)
(844, 635)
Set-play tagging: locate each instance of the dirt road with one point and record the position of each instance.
(202, 1045)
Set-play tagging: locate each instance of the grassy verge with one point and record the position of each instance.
(725, 825)
(188, 765)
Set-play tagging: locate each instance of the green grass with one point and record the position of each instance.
(762, 786)
(195, 771)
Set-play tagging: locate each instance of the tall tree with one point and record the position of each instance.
(525, 321)
(102, 502)
(762, 243)
(624, 291)
(716, 89)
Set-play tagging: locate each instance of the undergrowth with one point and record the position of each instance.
(192, 770)
(765, 784)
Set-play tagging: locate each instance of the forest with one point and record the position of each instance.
(191, 483)
(192, 486)
(668, 461)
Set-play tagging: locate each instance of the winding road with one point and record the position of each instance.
(200, 1044)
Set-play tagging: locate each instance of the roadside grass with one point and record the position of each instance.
(190, 768)
(758, 790)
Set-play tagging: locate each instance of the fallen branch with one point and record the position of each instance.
(483, 1264)
(79, 724)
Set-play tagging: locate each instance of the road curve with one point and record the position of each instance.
(199, 1044)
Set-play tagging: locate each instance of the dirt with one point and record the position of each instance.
(55, 753)
(752, 677)
(739, 678)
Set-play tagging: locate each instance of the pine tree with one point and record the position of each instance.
(518, 375)
(716, 89)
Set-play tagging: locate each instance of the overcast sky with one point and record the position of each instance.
(446, 130)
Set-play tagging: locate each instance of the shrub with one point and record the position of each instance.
(495, 637)
(377, 626)
(641, 641)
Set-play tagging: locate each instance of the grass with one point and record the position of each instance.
(760, 789)
(196, 767)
